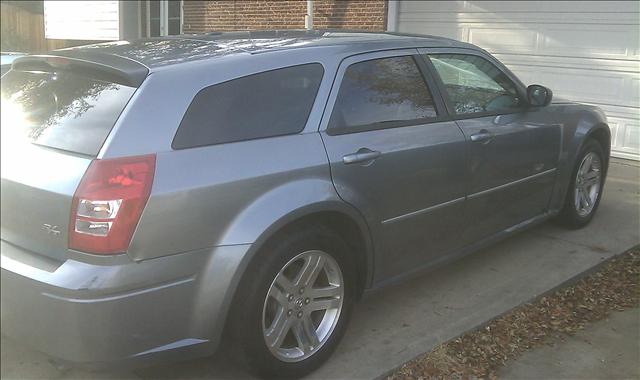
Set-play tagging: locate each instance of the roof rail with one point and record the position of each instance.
(273, 33)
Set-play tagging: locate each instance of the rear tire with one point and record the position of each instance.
(586, 186)
(288, 318)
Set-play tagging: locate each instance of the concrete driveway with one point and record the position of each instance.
(399, 323)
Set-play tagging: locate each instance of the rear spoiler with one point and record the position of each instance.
(105, 67)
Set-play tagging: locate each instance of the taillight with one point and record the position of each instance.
(108, 203)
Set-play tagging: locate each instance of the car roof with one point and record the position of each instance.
(172, 50)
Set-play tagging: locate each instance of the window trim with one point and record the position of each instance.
(304, 125)
(427, 76)
(382, 125)
(424, 55)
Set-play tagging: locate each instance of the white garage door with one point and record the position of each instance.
(585, 51)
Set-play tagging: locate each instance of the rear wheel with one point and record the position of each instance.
(290, 315)
(585, 189)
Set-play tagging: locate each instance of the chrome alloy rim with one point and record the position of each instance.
(302, 306)
(588, 183)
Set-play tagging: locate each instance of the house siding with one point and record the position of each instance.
(205, 16)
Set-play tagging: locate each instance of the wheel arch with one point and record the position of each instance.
(587, 122)
(601, 133)
(335, 214)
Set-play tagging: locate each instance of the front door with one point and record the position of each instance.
(394, 158)
(512, 150)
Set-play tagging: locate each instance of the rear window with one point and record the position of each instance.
(272, 103)
(61, 110)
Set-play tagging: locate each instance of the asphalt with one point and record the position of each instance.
(396, 324)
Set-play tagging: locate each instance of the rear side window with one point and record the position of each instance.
(382, 92)
(61, 110)
(272, 103)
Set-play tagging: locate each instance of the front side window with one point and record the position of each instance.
(272, 103)
(381, 92)
(474, 84)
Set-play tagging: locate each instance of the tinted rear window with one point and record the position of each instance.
(61, 110)
(267, 104)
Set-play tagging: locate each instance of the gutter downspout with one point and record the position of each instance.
(392, 15)
(308, 18)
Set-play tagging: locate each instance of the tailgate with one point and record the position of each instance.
(56, 115)
(37, 188)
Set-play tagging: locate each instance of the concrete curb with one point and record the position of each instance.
(564, 284)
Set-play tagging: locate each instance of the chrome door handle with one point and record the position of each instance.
(363, 155)
(483, 136)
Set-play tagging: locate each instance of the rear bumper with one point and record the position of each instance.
(125, 313)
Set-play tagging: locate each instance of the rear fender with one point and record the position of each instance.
(285, 205)
(269, 214)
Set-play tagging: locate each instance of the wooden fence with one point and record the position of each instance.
(23, 31)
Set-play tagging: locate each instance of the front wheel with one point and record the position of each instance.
(292, 312)
(585, 189)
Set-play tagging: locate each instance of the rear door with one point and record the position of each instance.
(394, 158)
(53, 124)
(513, 149)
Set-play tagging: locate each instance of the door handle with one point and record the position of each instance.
(363, 155)
(483, 136)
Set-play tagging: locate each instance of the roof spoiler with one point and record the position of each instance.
(105, 67)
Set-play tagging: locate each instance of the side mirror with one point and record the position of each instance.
(539, 96)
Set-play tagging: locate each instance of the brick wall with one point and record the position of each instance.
(205, 16)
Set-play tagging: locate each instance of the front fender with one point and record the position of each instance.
(581, 122)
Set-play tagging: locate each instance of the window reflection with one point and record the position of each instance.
(61, 110)
(380, 91)
(474, 84)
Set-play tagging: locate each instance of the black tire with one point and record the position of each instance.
(569, 216)
(246, 317)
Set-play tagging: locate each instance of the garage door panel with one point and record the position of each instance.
(625, 136)
(503, 39)
(436, 29)
(584, 51)
(578, 40)
(497, 7)
(610, 41)
(635, 91)
(558, 62)
(522, 19)
(592, 86)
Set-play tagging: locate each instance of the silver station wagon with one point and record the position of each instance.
(163, 198)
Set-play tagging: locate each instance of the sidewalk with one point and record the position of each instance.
(608, 349)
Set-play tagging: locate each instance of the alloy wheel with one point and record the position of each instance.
(588, 183)
(302, 306)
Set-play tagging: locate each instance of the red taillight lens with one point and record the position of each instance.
(108, 203)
